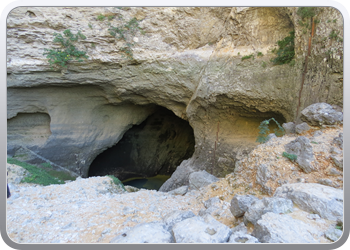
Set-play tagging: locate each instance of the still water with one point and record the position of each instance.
(153, 183)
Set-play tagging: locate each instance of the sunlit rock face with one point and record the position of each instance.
(188, 60)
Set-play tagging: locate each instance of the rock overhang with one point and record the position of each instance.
(203, 81)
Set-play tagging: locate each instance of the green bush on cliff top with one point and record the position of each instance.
(60, 57)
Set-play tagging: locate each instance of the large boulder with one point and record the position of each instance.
(263, 175)
(241, 203)
(277, 228)
(179, 178)
(319, 114)
(265, 205)
(201, 230)
(176, 216)
(302, 127)
(201, 179)
(301, 147)
(289, 127)
(215, 207)
(314, 198)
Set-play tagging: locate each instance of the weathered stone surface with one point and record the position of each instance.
(289, 127)
(302, 148)
(326, 182)
(314, 198)
(216, 208)
(335, 150)
(265, 205)
(153, 232)
(176, 216)
(241, 203)
(214, 201)
(339, 140)
(317, 133)
(334, 171)
(263, 174)
(201, 179)
(179, 191)
(302, 127)
(240, 228)
(338, 160)
(240, 237)
(276, 228)
(201, 230)
(333, 234)
(321, 114)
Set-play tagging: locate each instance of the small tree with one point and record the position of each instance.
(264, 130)
(285, 52)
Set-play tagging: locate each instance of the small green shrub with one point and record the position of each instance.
(248, 57)
(110, 18)
(264, 130)
(260, 54)
(291, 157)
(101, 17)
(263, 64)
(334, 35)
(306, 12)
(285, 52)
(125, 32)
(68, 52)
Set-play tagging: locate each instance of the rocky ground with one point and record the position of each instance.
(84, 211)
(95, 210)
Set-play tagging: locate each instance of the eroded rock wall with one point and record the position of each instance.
(189, 60)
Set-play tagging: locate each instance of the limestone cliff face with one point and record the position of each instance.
(188, 60)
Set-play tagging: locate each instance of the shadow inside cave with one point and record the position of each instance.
(154, 148)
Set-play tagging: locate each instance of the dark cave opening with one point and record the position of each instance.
(154, 148)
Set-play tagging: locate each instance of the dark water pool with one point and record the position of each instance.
(152, 183)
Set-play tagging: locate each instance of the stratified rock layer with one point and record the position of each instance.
(188, 60)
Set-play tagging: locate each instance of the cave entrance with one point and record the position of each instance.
(148, 153)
